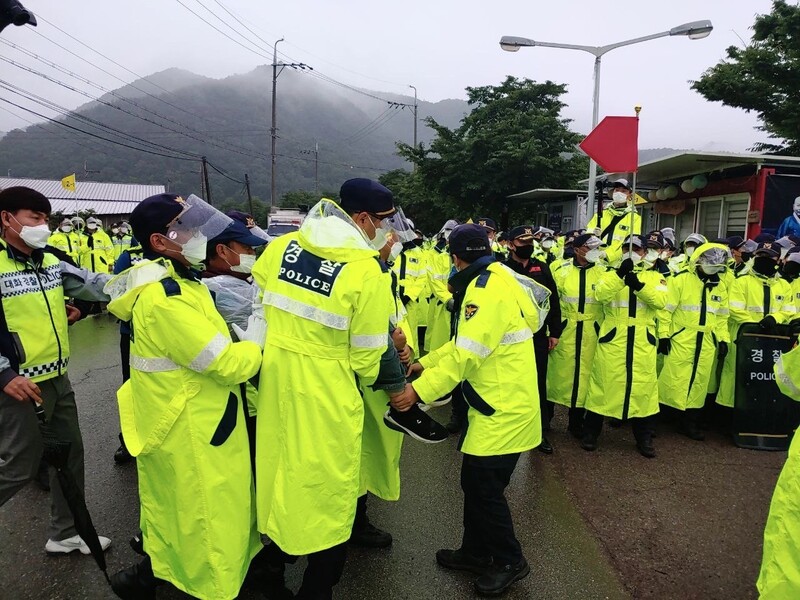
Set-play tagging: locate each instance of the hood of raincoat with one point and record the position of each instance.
(702, 249)
(330, 233)
(125, 288)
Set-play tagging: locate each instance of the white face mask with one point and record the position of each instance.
(651, 256)
(711, 269)
(395, 251)
(547, 244)
(594, 256)
(194, 250)
(689, 250)
(34, 237)
(115, 230)
(634, 256)
(246, 264)
(91, 227)
(379, 241)
(664, 255)
(619, 199)
(66, 228)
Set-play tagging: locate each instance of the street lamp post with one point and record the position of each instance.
(694, 31)
(274, 128)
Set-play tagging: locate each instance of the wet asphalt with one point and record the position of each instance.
(609, 524)
(566, 560)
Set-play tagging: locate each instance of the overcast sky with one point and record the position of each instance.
(440, 46)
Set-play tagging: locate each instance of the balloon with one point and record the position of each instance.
(652, 195)
(671, 191)
(687, 186)
(699, 181)
(660, 195)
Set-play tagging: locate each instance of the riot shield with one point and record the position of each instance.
(763, 418)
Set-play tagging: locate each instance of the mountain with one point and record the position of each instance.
(228, 121)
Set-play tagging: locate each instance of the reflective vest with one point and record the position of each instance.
(616, 226)
(751, 298)
(570, 363)
(326, 302)
(97, 252)
(36, 342)
(623, 379)
(412, 281)
(66, 242)
(492, 354)
(181, 416)
(121, 244)
(438, 270)
(696, 320)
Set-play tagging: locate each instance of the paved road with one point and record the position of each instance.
(566, 559)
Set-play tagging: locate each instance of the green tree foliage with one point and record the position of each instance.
(514, 139)
(764, 77)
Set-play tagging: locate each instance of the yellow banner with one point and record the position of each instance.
(68, 183)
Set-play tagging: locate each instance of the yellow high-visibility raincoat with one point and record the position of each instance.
(97, 252)
(326, 304)
(182, 418)
(438, 270)
(616, 226)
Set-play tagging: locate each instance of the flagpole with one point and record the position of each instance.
(637, 109)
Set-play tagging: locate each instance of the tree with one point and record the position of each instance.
(514, 139)
(764, 77)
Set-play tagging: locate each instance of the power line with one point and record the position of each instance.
(220, 31)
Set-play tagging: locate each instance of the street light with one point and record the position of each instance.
(694, 31)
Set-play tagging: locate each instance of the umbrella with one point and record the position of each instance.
(55, 454)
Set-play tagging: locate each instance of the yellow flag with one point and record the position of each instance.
(68, 183)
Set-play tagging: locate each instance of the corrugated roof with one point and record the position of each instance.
(104, 198)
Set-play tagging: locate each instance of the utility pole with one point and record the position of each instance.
(274, 128)
(315, 152)
(205, 180)
(249, 196)
(415, 114)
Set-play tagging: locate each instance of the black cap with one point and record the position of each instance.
(764, 237)
(243, 218)
(523, 233)
(654, 240)
(468, 237)
(735, 242)
(154, 214)
(238, 232)
(637, 241)
(487, 222)
(502, 237)
(569, 237)
(579, 240)
(366, 195)
(770, 249)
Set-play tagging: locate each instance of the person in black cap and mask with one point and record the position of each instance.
(489, 357)
(498, 251)
(546, 339)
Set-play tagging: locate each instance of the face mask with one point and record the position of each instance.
(764, 265)
(634, 256)
(34, 237)
(711, 269)
(791, 270)
(664, 255)
(524, 252)
(619, 199)
(115, 230)
(689, 250)
(651, 255)
(194, 250)
(395, 251)
(66, 228)
(91, 227)
(379, 241)
(594, 256)
(246, 264)
(547, 244)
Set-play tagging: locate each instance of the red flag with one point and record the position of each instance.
(614, 144)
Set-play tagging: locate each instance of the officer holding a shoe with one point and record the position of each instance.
(496, 319)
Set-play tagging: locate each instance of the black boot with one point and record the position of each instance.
(500, 577)
(645, 447)
(458, 560)
(589, 442)
(364, 533)
(136, 582)
(689, 426)
(122, 456)
(545, 447)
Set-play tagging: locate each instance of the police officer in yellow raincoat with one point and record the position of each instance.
(570, 362)
(180, 412)
(692, 330)
(498, 311)
(97, 251)
(760, 296)
(779, 578)
(326, 301)
(623, 383)
(615, 225)
(63, 239)
(438, 268)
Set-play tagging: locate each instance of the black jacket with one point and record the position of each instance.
(540, 273)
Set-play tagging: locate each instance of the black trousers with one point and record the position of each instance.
(488, 527)
(125, 355)
(458, 406)
(323, 572)
(546, 408)
(642, 426)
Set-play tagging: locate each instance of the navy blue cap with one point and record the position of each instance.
(764, 237)
(238, 232)
(569, 237)
(735, 242)
(523, 233)
(654, 240)
(366, 195)
(579, 240)
(468, 237)
(243, 218)
(487, 222)
(770, 249)
(637, 241)
(154, 214)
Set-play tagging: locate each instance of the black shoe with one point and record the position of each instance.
(646, 449)
(576, 432)
(459, 560)
(122, 456)
(137, 544)
(369, 536)
(267, 578)
(453, 425)
(545, 447)
(42, 477)
(417, 424)
(136, 582)
(589, 443)
(615, 423)
(696, 435)
(499, 578)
